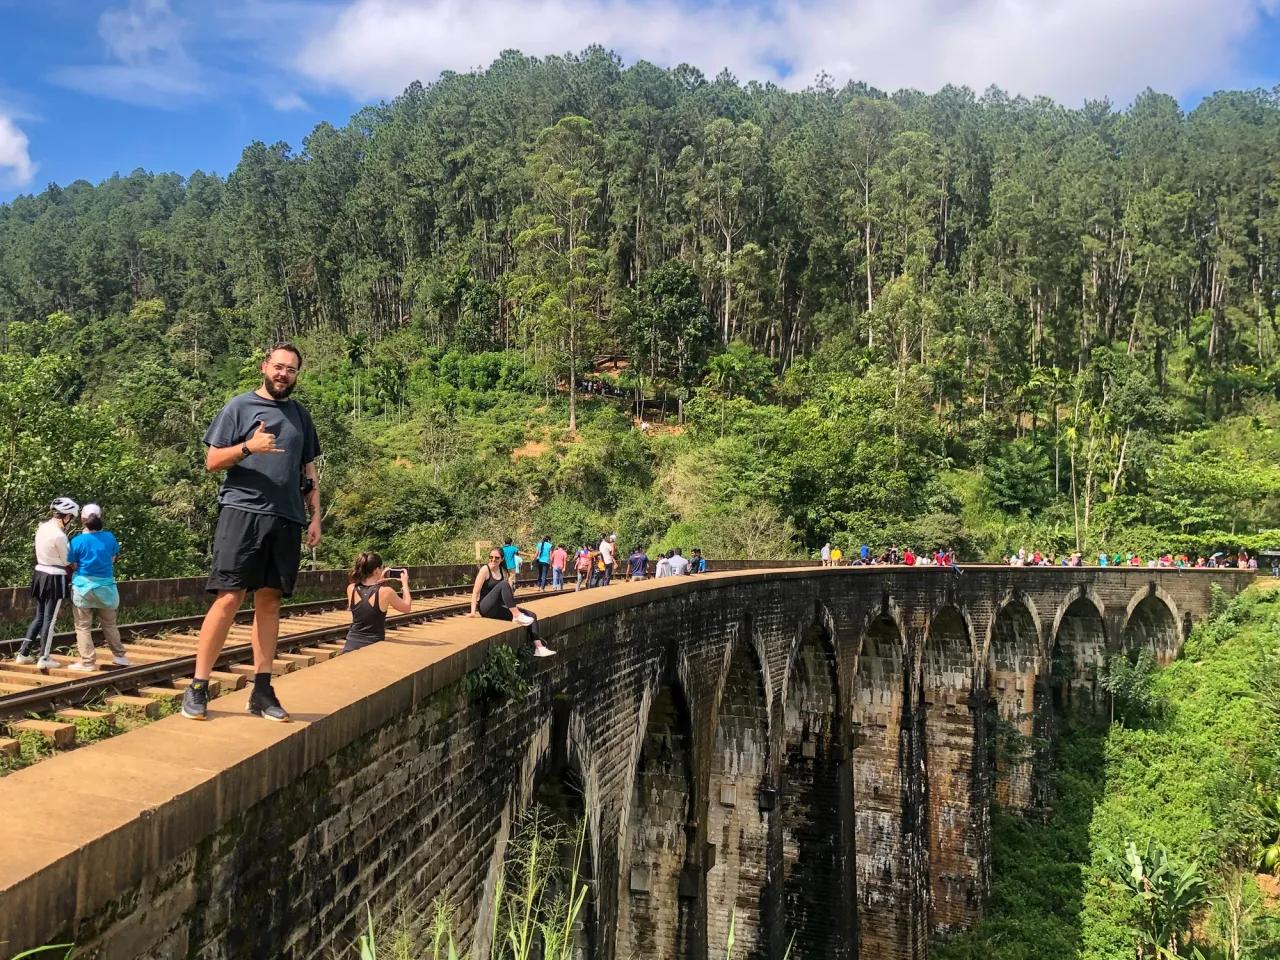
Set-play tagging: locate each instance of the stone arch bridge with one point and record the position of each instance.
(811, 751)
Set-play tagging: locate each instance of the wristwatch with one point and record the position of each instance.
(244, 450)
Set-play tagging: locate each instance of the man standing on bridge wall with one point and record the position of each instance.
(267, 444)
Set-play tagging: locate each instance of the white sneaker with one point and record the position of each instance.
(47, 663)
(121, 661)
(523, 619)
(23, 658)
(540, 651)
(81, 667)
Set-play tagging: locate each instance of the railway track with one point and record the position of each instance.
(163, 655)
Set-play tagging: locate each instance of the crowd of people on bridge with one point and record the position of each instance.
(834, 556)
(1037, 558)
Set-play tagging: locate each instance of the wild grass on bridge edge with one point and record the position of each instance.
(1186, 774)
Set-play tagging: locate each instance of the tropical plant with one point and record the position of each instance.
(1166, 893)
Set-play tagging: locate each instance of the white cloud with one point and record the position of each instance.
(1069, 49)
(16, 167)
(148, 60)
(289, 101)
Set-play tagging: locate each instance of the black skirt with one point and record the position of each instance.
(48, 586)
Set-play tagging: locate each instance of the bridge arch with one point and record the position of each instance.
(740, 803)
(1013, 664)
(816, 803)
(556, 781)
(659, 886)
(881, 721)
(1152, 622)
(1078, 651)
(956, 803)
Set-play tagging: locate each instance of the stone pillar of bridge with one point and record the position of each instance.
(659, 891)
(957, 800)
(815, 806)
(883, 812)
(1014, 663)
(740, 809)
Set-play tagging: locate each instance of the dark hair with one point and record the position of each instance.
(506, 542)
(284, 345)
(364, 566)
(93, 522)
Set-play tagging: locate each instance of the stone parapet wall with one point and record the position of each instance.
(242, 839)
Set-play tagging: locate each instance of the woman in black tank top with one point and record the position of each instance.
(492, 597)
(368, 599)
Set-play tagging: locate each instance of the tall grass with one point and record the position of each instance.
(539, 899)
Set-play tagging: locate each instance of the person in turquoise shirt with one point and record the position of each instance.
(544, 562)
(93, 589)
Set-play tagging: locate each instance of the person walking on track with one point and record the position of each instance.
(267, 444)
(48, 582)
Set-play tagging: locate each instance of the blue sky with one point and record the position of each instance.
(91, 87)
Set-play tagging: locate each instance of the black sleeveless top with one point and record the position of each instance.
(368, 623)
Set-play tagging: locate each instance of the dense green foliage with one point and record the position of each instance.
(1193, 782)
(878, 317)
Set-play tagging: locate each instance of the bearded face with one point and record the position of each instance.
(280, 374)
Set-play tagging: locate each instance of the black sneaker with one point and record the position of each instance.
(195, 702)
(266, 705)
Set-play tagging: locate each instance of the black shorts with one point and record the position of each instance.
(255, 550)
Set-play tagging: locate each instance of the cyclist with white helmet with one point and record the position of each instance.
(49, 582)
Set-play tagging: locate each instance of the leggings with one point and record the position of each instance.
(497, 604)
(40, 632)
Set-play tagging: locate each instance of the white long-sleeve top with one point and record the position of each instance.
(51, 547)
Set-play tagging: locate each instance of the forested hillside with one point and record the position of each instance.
(853, 315)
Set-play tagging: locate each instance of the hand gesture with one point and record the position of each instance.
(263, 441)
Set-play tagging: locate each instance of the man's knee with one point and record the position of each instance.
(267, 599)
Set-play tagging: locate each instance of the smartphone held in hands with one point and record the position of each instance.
(395, 573)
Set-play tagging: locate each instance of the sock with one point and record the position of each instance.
(262, 683)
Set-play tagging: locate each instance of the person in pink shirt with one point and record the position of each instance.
(559, 557)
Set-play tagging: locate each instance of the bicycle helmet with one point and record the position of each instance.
(66, 506)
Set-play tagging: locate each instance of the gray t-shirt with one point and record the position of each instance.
(266, 482)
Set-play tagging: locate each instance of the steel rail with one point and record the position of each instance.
(144, 628)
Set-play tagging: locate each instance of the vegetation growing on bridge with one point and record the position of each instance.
(868, 316)
(1192, 781)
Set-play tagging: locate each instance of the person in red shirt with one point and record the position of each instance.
(908, 557)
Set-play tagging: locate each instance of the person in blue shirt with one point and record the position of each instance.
(93, 588)
(544, 562)
(864, 553)
(509, 551)
(697, 562)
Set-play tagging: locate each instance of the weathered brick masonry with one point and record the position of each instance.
(812, 750)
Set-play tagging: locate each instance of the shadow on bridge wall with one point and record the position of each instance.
(814, 752)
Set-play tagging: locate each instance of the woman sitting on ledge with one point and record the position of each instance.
(493, 597)
(369, 597)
